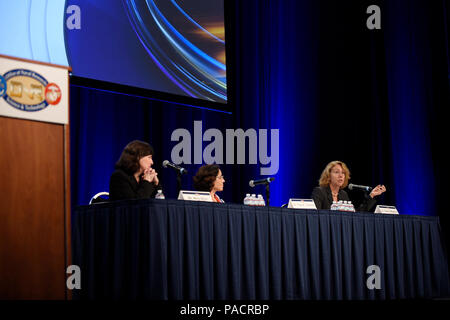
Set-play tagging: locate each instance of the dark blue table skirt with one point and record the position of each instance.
(170, 249)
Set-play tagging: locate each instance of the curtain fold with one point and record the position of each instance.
(168, 249)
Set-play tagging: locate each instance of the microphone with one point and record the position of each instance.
(352, 186)
(253, 183)
(167, 163)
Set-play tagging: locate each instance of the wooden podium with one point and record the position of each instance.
(34, 180)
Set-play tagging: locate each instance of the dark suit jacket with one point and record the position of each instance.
(124, 186)
(323, 199)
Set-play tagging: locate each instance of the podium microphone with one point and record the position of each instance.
(167, 163)
(352, 186)
(253, 183)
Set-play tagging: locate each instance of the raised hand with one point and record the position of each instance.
(379, 189)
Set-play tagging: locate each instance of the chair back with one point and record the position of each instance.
(100, 197)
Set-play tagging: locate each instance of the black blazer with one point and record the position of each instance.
(124, 186)
(323, 199)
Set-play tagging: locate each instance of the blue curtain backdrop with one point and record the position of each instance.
(335, 90)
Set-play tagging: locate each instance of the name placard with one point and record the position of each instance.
(386, 209)
(195, 196)
(302, 204)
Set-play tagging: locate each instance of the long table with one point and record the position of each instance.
(184, 250)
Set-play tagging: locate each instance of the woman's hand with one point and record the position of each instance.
(155, 179)
(151, 176)
(379, 189)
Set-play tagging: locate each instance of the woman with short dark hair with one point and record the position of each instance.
(209, 178)
(134, 177)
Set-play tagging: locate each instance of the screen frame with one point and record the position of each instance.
(150, 94)
(147, 93)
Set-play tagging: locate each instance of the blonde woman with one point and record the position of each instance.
(333, 180)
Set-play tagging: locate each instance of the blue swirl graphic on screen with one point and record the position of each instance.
(186, 47)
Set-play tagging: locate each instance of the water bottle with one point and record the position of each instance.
(352, 207)
(340, 207)
(253, 201)
(159, 195)
(261, 201)
(334, 206)
(345, 206)
(247, 199)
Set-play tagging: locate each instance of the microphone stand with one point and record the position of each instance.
(267, 183)
(178, 182)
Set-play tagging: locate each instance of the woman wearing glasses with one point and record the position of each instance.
(209, 178)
